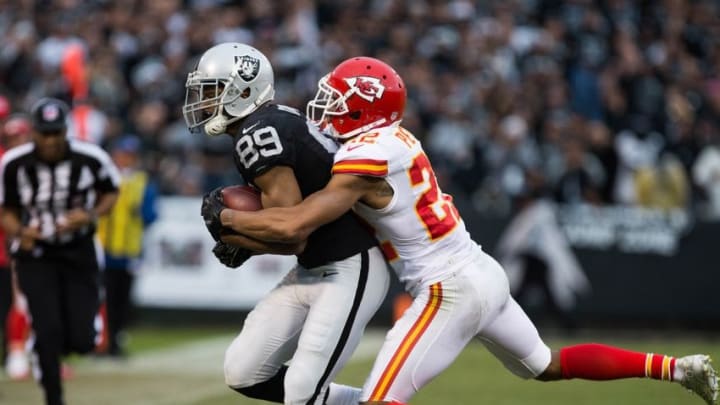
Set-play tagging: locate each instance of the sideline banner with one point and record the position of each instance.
(179, 270)
(641, 265)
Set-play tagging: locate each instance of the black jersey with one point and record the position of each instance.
(276, 135)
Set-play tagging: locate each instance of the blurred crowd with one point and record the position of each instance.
(604, 102)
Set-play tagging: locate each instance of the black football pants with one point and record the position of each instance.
(5, 304)
(61, 286)
(118, 287)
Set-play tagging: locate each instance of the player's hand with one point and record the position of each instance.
(212, 204)
(28, 235)
(231, 256)
(74, 219)
(24, 243)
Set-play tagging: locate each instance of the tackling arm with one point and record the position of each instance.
(279, 188)
(293, 224)
(262, 247)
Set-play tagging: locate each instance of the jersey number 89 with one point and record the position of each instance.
(264, 141)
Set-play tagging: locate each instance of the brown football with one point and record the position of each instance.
(241, 198)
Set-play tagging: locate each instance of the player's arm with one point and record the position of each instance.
(293, 224)
(10, 219)
(259, 247)
(10, 211)
(279, 188)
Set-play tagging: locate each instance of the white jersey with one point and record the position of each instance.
(420, 230)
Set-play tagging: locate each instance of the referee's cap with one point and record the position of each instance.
(49, 115)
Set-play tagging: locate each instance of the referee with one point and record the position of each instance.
(52, 192)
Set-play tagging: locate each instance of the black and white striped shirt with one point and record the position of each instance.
(43, 193)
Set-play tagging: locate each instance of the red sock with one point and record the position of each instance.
(395, 403)
(599, 362)
(17, 325)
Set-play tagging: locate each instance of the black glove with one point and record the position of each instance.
(231, 256)
(212, 204)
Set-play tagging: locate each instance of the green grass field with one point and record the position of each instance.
(184, 366)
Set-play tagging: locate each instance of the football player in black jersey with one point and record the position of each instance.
(318, 312)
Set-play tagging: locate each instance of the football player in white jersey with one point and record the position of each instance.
(459, 292)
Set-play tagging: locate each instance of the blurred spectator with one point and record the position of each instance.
(706, 174)
(583, 178)
(511, 152)
(634, 153)
(121, 234)
(663, 186)
(494, 87)
(87, 123)
(14, 315)
(15, 131)
(6, 292)
(5, 108)
(600, 145)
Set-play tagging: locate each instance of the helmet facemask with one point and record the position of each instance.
(328, 102)
(329, 108)
(205, 99)
(202, 100)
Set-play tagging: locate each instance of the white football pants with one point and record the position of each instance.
(314, 318)
(444, 317)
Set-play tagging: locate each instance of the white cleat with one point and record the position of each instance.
(698, 376)
(17, 365)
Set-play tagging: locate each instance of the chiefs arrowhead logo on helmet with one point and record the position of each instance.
(366, 87)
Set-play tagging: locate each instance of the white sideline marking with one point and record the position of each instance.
(201, 357)
(197, 367)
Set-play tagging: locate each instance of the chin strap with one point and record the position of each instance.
(216, 126)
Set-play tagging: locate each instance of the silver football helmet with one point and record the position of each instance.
(230, 81)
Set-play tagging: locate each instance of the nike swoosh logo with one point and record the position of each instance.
(247, 129)
(329, 273)
(349, 148)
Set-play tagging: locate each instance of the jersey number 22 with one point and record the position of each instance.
(436, 210)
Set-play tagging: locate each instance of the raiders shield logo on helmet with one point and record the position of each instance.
(248, 67)
(366, 87)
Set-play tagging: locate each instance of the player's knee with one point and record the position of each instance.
(300, 386)
(238, 374)
(533, 366)
(268, 390)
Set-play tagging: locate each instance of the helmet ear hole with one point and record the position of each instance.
(355, 115)
(246, 93)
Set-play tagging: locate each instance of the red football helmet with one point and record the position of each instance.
(360, 94)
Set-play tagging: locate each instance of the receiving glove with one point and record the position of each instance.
(231, 256)
(212, 204)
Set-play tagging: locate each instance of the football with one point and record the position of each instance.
(241, 198)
